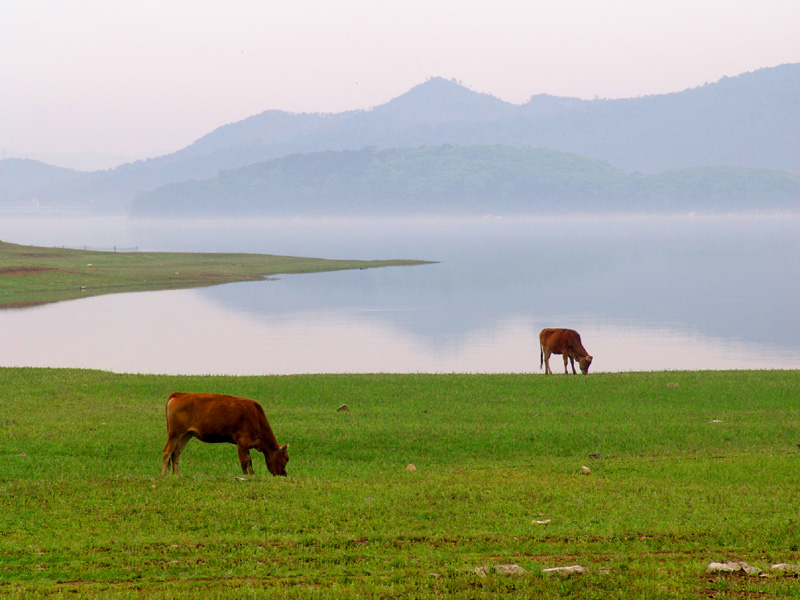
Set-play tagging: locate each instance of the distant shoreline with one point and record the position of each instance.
(35, 275)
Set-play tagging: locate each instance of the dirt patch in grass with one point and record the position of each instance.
(35, 255)
(23, 304)
(23, 271)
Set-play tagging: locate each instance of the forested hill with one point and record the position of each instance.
(751, 120)
(465, 180)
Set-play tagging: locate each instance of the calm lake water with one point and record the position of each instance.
(645, 293)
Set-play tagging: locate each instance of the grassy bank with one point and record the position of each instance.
(693, 467)
(34, 275)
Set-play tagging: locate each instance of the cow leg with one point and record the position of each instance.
(566, 370)
(245, 460)
(571, 362)
(547, 370)
(180, 444)
(168, 455)
(172, 452)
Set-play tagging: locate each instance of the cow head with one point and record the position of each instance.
(585, 362)
(277, 459)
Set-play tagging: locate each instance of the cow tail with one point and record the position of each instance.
(166, 407)
(541, 356)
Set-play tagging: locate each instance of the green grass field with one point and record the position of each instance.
(33, 275)
(693, 467)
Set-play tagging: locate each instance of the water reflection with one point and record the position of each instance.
(184, 332)
(645, 293)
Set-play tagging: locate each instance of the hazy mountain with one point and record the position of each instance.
(23, 174)
(746, 121)
(440, 101)
(750, 120)
(500, 180)
(84, 162)
(24, 183)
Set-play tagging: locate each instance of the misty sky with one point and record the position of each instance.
(143, 78)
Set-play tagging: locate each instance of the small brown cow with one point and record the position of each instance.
(214, 419)
(566, 342)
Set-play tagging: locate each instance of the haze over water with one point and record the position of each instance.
(646, 293)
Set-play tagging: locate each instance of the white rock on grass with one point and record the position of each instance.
(714, 568)
(505, 570)
(786, 568)
(568, 570)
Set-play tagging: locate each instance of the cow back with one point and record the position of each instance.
(562, 341)
(218, 418)
(556, 340)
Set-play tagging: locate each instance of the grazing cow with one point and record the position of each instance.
(214, 418)
(566, 342)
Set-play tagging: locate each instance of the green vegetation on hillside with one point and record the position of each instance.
(460, 180)
(32, 275)
(686, 468)
(750, 120)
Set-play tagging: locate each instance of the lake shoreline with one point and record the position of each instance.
(645, 293)
(36, 275)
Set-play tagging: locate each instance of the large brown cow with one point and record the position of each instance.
(214, 418)
(566, 342)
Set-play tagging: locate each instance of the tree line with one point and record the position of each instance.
(450, 179)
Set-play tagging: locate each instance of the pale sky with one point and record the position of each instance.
(140, 78)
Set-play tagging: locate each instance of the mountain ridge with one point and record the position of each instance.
(750, 120)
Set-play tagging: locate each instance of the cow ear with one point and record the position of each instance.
(284, 448)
